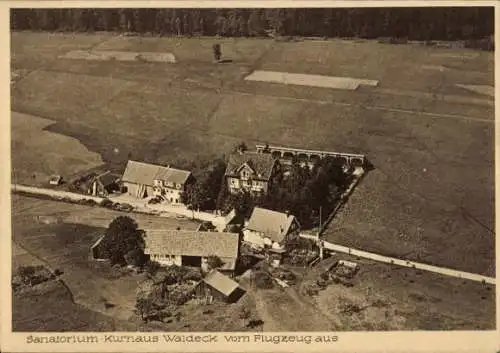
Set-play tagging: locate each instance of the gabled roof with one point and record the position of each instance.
(173, 175)
(274, 224)
(191, 243)
(261, 163)
(107, 178)
(145, 173)
(222, 283)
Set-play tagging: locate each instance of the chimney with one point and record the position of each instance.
(287, 212)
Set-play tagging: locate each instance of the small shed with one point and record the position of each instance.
(55, 180)
(103, 184)
(96, 249)
(216, 286)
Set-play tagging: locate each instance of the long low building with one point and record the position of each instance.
(192, 248)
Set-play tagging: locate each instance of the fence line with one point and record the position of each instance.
(405, 263)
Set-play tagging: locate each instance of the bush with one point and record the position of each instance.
(263, 280)
(135, 257)
(174, 274)
(151, 267)
(106, 203)
(192, 275)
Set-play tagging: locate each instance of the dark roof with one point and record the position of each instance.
(222, 283)
(107, 178)
(274, 224)
(191, 243)
(261, 163)
(145, 173)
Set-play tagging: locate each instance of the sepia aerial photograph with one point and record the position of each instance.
(252, 169)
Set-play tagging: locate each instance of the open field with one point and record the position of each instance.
(430, 196)
(37, 154)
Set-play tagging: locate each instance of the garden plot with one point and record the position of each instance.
(344, 83)
(105, 55)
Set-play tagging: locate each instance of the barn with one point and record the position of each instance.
(192, 248)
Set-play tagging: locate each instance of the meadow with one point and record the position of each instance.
(430, 196)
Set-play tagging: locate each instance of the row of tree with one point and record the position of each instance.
(425, 23)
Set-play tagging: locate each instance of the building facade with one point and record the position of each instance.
(192, 248)
(144, 180)
(270, 229)
(251, 171)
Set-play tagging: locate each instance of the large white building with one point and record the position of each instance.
(271, 229)
(146, 180)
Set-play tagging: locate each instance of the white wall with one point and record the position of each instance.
(167, 260)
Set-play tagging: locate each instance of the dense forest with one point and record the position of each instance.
(438, 23)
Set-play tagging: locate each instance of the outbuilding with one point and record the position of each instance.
(216, 286)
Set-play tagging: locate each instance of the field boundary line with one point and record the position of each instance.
(405, 263)
(371, 107)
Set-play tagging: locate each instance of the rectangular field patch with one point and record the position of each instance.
(119, 56)
(344, 83)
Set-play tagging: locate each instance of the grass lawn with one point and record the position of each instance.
(195, 109)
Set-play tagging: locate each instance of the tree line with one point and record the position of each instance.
(426, 23)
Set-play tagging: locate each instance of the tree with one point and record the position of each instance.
(122, 237)
(256, 24)
(241, 147)
(144, 307)
(217, 52)
(203, 193)
(214, 262)
(135, 257)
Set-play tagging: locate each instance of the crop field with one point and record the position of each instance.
(430, 196)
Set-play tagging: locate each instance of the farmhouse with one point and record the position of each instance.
(250, 171)
(216, 286)
(148, 180)
(192, 248)
(103, 184)
(267, 228)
